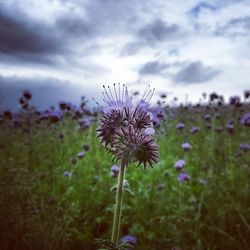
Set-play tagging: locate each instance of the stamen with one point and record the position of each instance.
(123, 88)
(107, 95)
(111, 95)
(117, 100)
(145, 91)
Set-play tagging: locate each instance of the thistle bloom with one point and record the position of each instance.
(126, 129)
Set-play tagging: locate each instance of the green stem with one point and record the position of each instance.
(118, 206)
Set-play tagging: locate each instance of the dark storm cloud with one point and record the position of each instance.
(153, 68)
(46, 91)
(235, 27)
(22, 38)
(195, 72)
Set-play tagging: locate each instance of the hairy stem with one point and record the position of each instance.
(118, 206)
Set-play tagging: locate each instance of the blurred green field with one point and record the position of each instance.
(41, 208)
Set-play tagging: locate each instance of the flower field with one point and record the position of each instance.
(56, 179)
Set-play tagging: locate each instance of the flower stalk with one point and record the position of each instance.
(118, 206)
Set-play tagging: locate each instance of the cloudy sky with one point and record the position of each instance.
(63, 49)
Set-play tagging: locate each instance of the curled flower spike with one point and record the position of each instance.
(126, 128)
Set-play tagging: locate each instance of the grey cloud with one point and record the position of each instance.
(235, 27)
(195, 72)
(46, 91)
(151, 34)
(159, 31)
(153, 68)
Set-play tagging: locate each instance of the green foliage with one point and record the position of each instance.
(43, 209)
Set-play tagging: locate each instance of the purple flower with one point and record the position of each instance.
(85, 122)
(186, 146)
(129, 238)
(230, 128)
(54, 116)
(207, 117)
(179, 164)
(183, 176)
(234, 100)
(180, 126)
(67, 174)
(80, 155)
(194, 130)
(158, 115)
(245, 120)
(245, 147)
(114, 171)
(124, 127)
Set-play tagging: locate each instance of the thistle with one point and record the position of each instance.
(126, 131)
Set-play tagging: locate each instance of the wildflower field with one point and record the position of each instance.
(56, 179)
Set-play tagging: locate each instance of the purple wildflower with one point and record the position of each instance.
(245, 120)
(245, 147)
(207, 117)
(129, 238)
(54, 116)
(124, 127)
(180, 126)
(67, 174)
(179, 164)
(80, 155)
(186, 146)
(234, 100)
(230, 128)
(194, 130)
(183, 176)
(114, 171)
(85, 122)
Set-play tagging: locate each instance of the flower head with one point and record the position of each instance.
(126, 128)
(128, 238)
(180, 126)
(183, 176)
(194, 130)
(245, 120)
(186, 146)
(179, 164)
(114, 171)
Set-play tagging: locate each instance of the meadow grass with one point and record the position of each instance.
(41, 208)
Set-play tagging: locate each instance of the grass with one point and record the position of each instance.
(40, 208)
